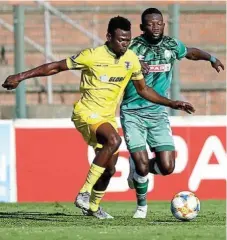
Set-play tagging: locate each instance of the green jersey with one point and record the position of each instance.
(161, 58)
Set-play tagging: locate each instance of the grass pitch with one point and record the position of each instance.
(62, 221)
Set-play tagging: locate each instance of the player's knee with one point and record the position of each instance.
(168, 168)
(142, 169)
(114, 142)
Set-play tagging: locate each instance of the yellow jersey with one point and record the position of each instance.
(104, 78)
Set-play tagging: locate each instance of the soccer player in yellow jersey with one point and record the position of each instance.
(106, 71)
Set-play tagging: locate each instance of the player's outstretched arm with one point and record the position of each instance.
(47, 69)
(197, 54)
(148, 93)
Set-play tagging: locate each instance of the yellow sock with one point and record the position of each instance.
(95, 199)
(93, 175)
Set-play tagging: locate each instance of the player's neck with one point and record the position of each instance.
(152, 41)
(110, 50)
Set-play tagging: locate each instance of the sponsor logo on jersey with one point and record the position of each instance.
(160, 68)
(116, 79)
(104, 78)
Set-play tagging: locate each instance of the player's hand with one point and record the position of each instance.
(145, 67)
(10, 83)
(218, 65)
(184, 106)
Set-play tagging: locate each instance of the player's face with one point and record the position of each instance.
(153, 26)
(119, 41)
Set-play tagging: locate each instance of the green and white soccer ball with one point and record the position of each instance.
(185, 206)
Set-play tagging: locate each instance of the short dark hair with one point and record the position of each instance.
(149, 11)
(118, 22)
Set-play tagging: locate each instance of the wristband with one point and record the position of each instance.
(212, 59)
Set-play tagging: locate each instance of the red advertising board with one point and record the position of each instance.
(53, 160)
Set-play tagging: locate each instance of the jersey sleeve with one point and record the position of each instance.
(136, 71)
(133, 46)
(81, 61)
(181, 50)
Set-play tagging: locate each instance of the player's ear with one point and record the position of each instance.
(108, 37)
(141, 27)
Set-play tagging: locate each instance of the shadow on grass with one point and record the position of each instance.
(39, 216)
(77, 219)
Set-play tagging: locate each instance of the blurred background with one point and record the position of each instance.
(35, 32)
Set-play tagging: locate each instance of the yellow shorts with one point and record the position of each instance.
(87, 122)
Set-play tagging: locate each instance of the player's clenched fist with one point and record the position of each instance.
(185, 106)
(10, 83)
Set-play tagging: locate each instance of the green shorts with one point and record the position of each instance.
(152, 130)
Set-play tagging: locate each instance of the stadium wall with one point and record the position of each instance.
(202, 25)
(46, 160)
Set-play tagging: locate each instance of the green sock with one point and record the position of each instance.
(141, 192)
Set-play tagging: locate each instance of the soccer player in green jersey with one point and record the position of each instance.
(144, 122)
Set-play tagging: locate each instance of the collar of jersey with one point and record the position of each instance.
(109, 51)
(148, 43)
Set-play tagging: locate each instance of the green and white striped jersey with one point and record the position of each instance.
(161, 58)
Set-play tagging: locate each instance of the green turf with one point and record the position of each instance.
(62, 221)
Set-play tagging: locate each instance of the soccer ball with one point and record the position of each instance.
(185, 206)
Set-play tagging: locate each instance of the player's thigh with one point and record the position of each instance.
(82, 126)
(88, 128)
(160, 136)
(135, 133)
(106, 131)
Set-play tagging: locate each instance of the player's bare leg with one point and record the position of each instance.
(110, 139)
(140, 180)
(163, 163)
(99, 189)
